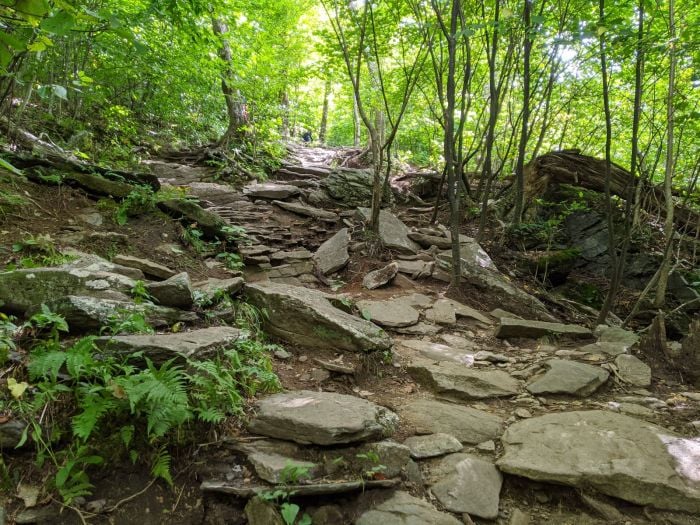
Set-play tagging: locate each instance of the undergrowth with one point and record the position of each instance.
(87, 407)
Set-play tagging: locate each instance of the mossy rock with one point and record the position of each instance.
(211, 224)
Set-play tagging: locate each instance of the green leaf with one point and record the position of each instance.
(9, 167)
(289, 512)
(32, 8)
(58, 24)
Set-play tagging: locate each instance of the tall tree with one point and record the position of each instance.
(524, 132)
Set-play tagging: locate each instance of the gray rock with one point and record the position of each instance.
(213, 288)
(197, 344)
(485, 355)
(146, 266)
(633, 371)
(437, 351)
(93, 218)
(300, 254)
(478, 269)
(22, 290)
(569, 377)
(393, 456)
(307, 211)
(404, 509)
(416, 269)
(392, 232)
(262, 512)
(605, 348)
(430, 240)
(321, 418)
(419, 329)
(519, 517)
(333, 254)
(432, 445)
(274, 468)
(392, 313)
(498, 314)
(446, 311)
(380, 277)
(617, 455)
(11, 433)
(176, 291)
(91, 313)
(471, 486)
(270, 190)
(307, 318)
(534, 329)
(613, 334)
(459, 382)
(350, 187)
(466, 424)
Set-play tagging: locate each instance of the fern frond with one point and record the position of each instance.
(161, 466)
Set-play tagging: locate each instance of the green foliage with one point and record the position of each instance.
(233, 261)
(128, 322)
(140, 293)
(46, 320)
(8, 332)
(290, 511)
(39, 250)
(141, 200)
(118, 406)
(193, 236)
(292, 474)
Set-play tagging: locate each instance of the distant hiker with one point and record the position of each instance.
(306, 136)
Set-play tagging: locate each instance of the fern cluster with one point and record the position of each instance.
(116, 401)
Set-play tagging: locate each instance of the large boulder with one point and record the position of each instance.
(350, 187)
(392, 232)
(615, 454)
(158, 348)
(469, 425)
(477, 268)
(333, 254)
(460, 382)
(22, 290)
(270, 190)
(403, 509)
(321, 418)
(307, 318)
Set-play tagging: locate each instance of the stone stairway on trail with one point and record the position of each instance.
(401, 404)
(482, 394)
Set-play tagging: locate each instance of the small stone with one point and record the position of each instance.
(519, 517)
(432, 445)
(380, 277)
(281, 353)
(319, 375)
(146, 266)
(303, 358)
(487, 446)
(632, 370)
(523, 413)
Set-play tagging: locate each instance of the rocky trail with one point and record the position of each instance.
(403, 402)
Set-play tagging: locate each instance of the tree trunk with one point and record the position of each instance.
(487, 173)
(520, 165)
(235, 107)
(668, 176)
(356, 122)
(324, 116)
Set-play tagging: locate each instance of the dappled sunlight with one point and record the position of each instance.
(686, 452)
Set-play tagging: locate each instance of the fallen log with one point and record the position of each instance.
(576, 169)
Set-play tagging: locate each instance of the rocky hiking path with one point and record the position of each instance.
(404, 402)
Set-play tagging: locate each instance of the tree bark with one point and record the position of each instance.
(235, 107)
(668, 176)
(324, 115)
(520, 165)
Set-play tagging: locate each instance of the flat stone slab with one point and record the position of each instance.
(633, 370)
(90, 313)
(470, 485)
(211, 288)
(145, 265)
(446, 311)
(307, 211)
(307, 318)
(432, 445)
(535, 329)
(460, 382)
(569, 377)
(333, 254)
(437, 351)
(393, 313)
(270, 190)
(403, 509)
(468, 425)
(615, 454)
(614, 334)
(321, 418)
(310, 489)
(392, 232)
(161, 347)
